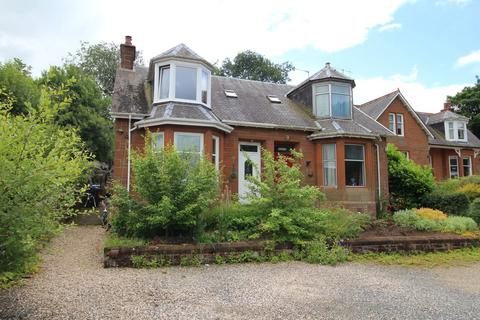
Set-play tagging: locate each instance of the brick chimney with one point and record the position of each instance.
(447, 105)
(127, 53)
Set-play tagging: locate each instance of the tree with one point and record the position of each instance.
(408, 182)
(41, 167)
(468, 104)
(100, 61)
(16, 79)
(253, 66)
(88, 110)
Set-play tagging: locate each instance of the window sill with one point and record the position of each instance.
(182, 101)
(356, 187)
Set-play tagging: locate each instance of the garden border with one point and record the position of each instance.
(174, 254)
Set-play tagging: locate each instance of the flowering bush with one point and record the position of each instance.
(471, 190)
(431, 214)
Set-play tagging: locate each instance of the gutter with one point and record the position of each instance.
(268, 125)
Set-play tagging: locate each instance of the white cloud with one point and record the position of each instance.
(421, 97)
(470, 58)
(217, 29)
(453, 2)
(390, 26)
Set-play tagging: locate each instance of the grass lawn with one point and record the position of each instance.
(457, 257)
(112, 240)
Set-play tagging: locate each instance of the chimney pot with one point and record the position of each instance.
(128, 40)
(327, 65)
(447, 105)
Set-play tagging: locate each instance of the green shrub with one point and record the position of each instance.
(408, 181)
(471, 190)
(450, 203)
(319, 252)
(42, 166)
(474, 211)
(457, 224)
(410, 220)
(172, 191)
(453, 185)
(339, 223)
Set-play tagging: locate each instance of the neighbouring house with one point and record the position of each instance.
(440, 140)
(229, 120)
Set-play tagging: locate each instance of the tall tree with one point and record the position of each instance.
(251, 65)
(100, 61)
(87, 110)
(467, 102)
(16, 79)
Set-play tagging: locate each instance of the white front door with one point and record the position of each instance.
(248, 165)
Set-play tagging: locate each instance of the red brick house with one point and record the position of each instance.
(227, 120)
(441, 139)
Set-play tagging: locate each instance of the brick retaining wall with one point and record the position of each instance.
(208, 253)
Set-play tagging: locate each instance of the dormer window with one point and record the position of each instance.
(182, 81)
(332, 100)
(456, 131)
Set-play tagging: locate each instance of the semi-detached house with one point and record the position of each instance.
(228, 121)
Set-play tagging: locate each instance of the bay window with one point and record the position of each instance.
(332, 100)
(354, 165)
(329, 155)
(453, 165)
(182, 81)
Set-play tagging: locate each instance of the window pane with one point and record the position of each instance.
(341, 89)
(157, 140)
(461, 134)
(329, 152)
(248, 168)
(186, 83)
(467, 167)
(354, 173)
(353, 152)
(204, 86)
(189, 143)
(321, 105)
(399, 118)
(214, 146)
(453, 167)
(248, 148)
(391, 122)
(164, 82)
(321, 89)
(341, 106)
(329, 165)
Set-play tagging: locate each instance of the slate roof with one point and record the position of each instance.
(129, 91)
(183, 52)
(326, 73)
(253, 106)
(375, 107)
(445, 115)
(439, 135)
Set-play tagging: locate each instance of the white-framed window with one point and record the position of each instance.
(396, 123)
(158, 140)
(329, 156)
(216, 151)
(332, 100)
(453, 166)
(467, 166)
(190, 144)
(391, 122)
(182, 81)
(456, 130)
(354, 165)
(400, 125)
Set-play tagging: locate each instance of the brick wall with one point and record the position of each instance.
(440, 162)
(362, 199)
(415, 139)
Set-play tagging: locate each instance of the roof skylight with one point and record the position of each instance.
(231, 94)
(273, 99)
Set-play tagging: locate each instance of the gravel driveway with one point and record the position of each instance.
(73, 285)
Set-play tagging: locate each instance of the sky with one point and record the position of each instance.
(426, 48)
